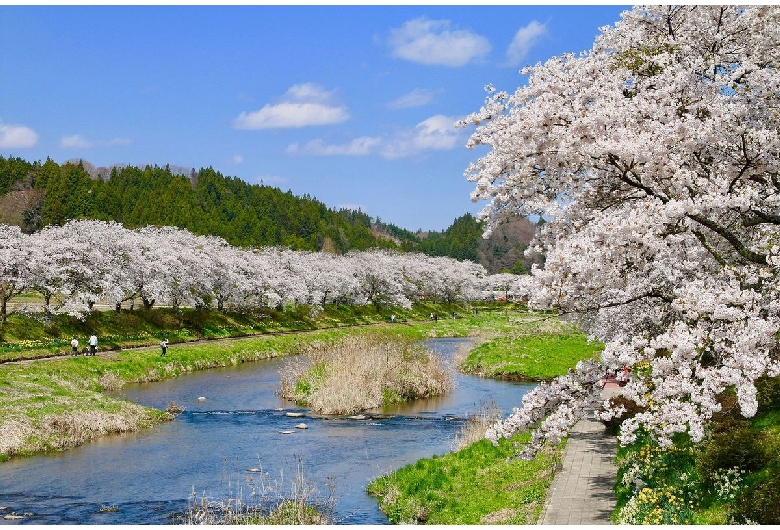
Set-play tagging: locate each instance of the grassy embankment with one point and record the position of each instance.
(59, 403)
(30, 337)
(482, 484)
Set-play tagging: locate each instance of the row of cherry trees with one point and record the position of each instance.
(82, 263)
(656, 159)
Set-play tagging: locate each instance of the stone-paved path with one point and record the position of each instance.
(581, 492)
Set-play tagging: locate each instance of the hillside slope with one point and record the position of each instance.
(37, 194)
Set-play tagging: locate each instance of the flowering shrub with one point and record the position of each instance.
(733, 477)
(657, 485)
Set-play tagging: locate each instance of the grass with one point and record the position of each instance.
(266, 501)
(34, 336)
(473, 430)
(535, 356)
(480, 484)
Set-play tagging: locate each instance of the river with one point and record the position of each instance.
(233, 421)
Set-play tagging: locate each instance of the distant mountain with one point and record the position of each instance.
(35, 194)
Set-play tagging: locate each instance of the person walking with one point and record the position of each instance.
(164, 346)
(74, 346)
(93, 344)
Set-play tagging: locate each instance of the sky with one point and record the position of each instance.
(353, 105)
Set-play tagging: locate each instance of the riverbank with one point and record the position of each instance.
(36, 335)
(58, 404)
(482, 483)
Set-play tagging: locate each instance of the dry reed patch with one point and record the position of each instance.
(360, 373)
(263, 500)
(70, 429)
(111, 381)
(14, 433)
(473, 430)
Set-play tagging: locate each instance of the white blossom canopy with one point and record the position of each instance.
(82, 263)
(654, 156)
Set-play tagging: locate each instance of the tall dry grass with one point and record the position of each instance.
(361, 373)
(473, 430)
(293, 501)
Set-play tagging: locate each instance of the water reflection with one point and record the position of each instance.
(145, 477)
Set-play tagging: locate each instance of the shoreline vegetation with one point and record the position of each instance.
(60, 403)
(363, 372)
(53, 404)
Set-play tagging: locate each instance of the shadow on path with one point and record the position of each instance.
(582, 491)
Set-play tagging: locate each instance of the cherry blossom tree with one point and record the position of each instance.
(14, 274)
(654, 156)
(81, 263)
(380, 277)
(506, 285)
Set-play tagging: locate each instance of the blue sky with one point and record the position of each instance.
(352, 105)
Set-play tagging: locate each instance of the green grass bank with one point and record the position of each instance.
(54, 404)
(36, 335)
(483, 484)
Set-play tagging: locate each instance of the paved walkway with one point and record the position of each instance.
(581, 492)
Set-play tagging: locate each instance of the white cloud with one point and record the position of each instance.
(416, 98)
(362, 146)
(437, 133)
(303, 105)
(286, 115)
(432, 42)
(75, 141)
(309, 92)
(524, 40)
(17, 137)
(238, 159)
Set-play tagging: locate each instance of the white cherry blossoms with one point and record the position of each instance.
(655, 158)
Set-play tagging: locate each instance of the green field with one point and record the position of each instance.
(536, 357)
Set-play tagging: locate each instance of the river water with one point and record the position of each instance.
(233, 421)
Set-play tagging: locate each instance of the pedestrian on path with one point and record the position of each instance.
(74, 346)
(92, 344)
(164, 346)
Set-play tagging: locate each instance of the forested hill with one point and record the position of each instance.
(37, 194)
